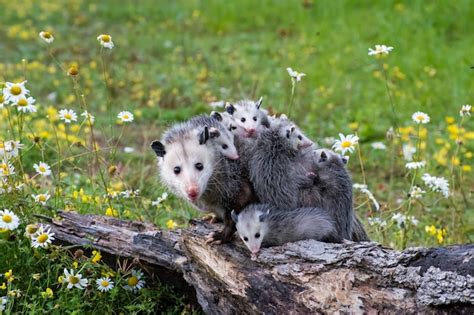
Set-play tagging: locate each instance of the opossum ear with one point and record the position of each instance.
(216, 115)
(323, 157)
(204, 135)
(345, 159)
(259, 102)
(214, 133)
(159, 148)
(230, 108)
(284, 117)
(235, 216)
(264, 216)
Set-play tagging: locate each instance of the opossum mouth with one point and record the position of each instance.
(305, 145)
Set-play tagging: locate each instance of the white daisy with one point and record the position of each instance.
(415, 165)
(68, 115)
(12, 92)
(88, 116)
(104, 284)
(9, 149)
(6, 169)
(377, 221)
(438, 184)
(159, 200)
(465, 110)
(295, 74)
(416, 192)
(128, 150)
(378, 146)
(135, 282)
(31, 230)
(41, 198)
(43, 237)
(125, 116)
(408, 152)
(380, 49)
(420, 118)
(106, 41)
(25, 105)
(345, 143)
(8, 220)
(401, 220)
(74, 280)
(42, 168)
(47, 37)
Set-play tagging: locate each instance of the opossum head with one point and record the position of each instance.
(222, 140)
(329, 165)
(229, 123)
(290, 131)
(185, 166)
(248, 116)
(252, 227)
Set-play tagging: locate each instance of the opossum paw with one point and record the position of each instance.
(253, 257)
(218, 238)
(344, 241)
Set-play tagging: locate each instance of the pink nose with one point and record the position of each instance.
(235, 157)
(255, 250)
(251, 130)
(192, 192)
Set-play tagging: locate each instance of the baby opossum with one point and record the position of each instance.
(201, 175)
(226, 119)
(248, 115)
(265, 225)
(331, 189)
(220, 137)
(274, 167)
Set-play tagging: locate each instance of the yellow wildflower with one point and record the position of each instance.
(9, 276)
(110, 212)
(47, 294)
(170, 224)
(97, 256)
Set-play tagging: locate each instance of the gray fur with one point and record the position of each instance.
(358, 231)
(283, 226)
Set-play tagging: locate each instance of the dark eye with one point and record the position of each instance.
(225, 146)
(177, 170)
(255, 118)
(246, 239)
(288, 134)
(257, 235)
(300, 137)
(242, 119)
(199, 166)
(233, 127)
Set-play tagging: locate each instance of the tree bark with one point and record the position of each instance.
(304, 277)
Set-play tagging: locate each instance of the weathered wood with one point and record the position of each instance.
(302, 277)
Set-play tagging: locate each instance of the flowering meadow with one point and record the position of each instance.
(85, 88)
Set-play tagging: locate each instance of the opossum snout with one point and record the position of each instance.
(305, 144)
(234, 157)
(250, 132)
(255, 250)
(192, 192)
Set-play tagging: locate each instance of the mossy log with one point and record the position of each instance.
(305, 277)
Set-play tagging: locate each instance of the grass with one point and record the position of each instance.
(171, 59)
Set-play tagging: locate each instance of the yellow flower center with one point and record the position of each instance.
(7, 218)
(1, 99)
(125, 116)
(42, 238)
(22, 102)
(15, 90)
(67, 116)
(346, 144)
(47, 35)
(2, 146)
(132, 281)
(105, 38)
(104, 283)
(73, 280)
(42, 169)
(42, 198)
(30, 229)
(420, 117)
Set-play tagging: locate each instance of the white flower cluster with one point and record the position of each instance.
(379, 50)
(159, 200)
(402, 220)
(415, 165)
(16, 94)
(438, 184)
(377, 222)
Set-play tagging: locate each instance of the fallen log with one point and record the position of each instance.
(298, 278)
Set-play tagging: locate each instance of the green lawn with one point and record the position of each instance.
(172, 58)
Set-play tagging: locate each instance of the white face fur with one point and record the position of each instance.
(252, 228)
(248, 116)
(186, 168)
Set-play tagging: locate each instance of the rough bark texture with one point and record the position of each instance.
(302, 277)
